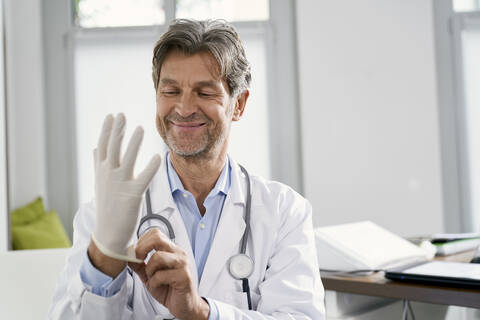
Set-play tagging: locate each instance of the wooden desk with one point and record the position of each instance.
(378, 286)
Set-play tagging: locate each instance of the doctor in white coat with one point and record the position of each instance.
(201, 77)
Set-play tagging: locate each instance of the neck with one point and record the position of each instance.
(199, 175)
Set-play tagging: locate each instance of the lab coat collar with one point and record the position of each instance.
(162, 199)
(238, 181)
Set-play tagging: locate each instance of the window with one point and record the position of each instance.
(471, 71)
(467, 50)
(466, 5)
(108, 13)
(112, 73)
(231, 10)
(464, 118)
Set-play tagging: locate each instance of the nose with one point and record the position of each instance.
(187, 105)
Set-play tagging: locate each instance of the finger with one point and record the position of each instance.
(132, 151)
(95, 157)
(104, 137)
(153, 239)
(162, 260)
(139, 269)
(171, 277)
(146, 176)
(115, 143)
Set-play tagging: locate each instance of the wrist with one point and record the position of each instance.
(109, 266)
(203, 309)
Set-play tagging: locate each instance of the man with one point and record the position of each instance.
(201, 77)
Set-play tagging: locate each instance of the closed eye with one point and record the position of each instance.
(207, 94)
(170, 92)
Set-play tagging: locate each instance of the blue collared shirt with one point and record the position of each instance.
(201, 232)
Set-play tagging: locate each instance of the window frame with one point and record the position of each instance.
(448, 26)
(4, 200)
(459, 22)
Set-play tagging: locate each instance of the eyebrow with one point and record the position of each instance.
(167, 81)
(204, 83)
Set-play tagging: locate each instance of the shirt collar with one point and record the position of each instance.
(222, 185)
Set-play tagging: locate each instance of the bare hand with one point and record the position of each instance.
(167, 276)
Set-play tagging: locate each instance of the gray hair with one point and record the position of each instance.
(217, 37)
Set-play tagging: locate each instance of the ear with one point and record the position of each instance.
(240, 103)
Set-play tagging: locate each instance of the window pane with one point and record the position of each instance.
(231, 10)
(466, 5)
(113, 76)
(115, 13)
(471, 52)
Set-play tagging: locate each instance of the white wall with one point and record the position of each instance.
(25, 101)
(369, 113)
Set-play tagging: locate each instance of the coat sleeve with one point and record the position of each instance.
(292, 288)
(74, 300)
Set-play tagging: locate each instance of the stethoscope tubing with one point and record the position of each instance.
(151, 216)
(248, 207)
(243, 250)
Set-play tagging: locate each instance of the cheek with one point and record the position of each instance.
(158, 123)
(219, 110)
(215, 114)
(162, 107)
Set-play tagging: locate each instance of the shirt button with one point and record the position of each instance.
(185, 195)
(202, 226)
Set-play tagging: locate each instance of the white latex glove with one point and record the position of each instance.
(118, 194)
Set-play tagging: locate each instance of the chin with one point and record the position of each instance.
(188, 152)
(187, 148)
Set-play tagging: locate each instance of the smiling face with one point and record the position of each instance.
(194, 107)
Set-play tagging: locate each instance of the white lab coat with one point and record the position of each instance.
(285, 283)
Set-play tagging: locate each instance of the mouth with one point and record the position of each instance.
(188, 126)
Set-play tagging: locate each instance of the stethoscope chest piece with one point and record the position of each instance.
(240, 266)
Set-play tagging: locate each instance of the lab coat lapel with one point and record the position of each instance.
(163, 204)
(229, 232)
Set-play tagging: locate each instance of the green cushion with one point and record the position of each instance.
(44, 232)
(26, 214)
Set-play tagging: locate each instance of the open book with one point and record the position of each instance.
(363, 246)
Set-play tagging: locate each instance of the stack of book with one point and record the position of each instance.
(451, 243)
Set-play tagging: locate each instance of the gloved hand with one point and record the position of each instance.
(118, 194)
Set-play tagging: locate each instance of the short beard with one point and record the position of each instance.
(183, 152)
(211, 140)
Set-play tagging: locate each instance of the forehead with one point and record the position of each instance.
(200, 66)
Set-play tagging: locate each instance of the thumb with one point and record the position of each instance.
(147, 174)
(139, 269)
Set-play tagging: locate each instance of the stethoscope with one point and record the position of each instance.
(240, 265)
